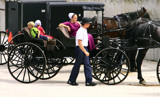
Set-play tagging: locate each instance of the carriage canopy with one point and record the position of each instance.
(59, 12)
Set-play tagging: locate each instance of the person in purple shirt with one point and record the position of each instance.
(73, 25)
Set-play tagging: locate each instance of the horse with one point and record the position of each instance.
(143, 33)
(126, 18)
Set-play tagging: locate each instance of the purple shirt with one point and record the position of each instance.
(74, 28)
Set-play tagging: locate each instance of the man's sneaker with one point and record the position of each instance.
(91, 84)
(72, 83)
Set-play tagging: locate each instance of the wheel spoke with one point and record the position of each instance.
(24, 74)
(97, 70)
(3, 39)
(5, 52)
(20, 73)
(104, 78)
(113, 77)
(17, 65)
(48, 73)
(53, 70)
(29, 75)
(31, 70)
(4, 56)
(119, 78)
(122, 74)
(124, 69)
(16, 69)
(17, 56)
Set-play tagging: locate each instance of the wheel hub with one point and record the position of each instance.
(26, 63)
(111, 67)
(2, 48)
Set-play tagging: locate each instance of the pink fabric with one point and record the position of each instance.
(74, 28)
(41, 32)
(91, 45)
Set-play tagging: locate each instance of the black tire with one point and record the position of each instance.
(158, 71)
(17, 39)
(3, 48)
(26, 62)
(111, 66)
(53, 64)
(52, 68)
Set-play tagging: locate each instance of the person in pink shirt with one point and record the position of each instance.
(73, 25)
(39, 27)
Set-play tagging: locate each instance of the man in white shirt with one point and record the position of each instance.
(82, 54)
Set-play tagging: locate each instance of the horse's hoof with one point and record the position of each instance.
(143, 82)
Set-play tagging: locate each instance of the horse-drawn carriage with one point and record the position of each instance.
(30, 59)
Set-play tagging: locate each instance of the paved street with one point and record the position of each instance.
(57, 87)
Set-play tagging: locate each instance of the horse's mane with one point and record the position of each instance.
(137, 22)
(130, 16)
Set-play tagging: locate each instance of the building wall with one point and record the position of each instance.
(113, 7)
(2, 15)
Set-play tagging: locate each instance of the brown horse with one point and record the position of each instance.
(120, 21)
(115, 26)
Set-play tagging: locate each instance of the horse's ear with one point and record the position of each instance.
(144, 9)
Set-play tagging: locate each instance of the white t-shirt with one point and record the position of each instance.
(82, 35)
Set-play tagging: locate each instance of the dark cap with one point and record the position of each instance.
(85, 20)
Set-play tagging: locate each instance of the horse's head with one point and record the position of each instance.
(143, 13)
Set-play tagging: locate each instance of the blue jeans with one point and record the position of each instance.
(80, 56)
(43, 37)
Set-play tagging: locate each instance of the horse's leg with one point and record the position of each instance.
(139, 60)
(132, 56)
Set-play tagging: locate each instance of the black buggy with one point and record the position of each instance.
(30, 59)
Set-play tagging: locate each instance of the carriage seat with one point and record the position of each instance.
(64, 37)
(64, 31)
(48, 44)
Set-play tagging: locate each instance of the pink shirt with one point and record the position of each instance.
(73, 26)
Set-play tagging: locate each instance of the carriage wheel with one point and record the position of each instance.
(52, 68)
(158, 71)
(53, 64)
(17, 39)
(111, 66)
(3, 48)
(26, 62)
(114, 45)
